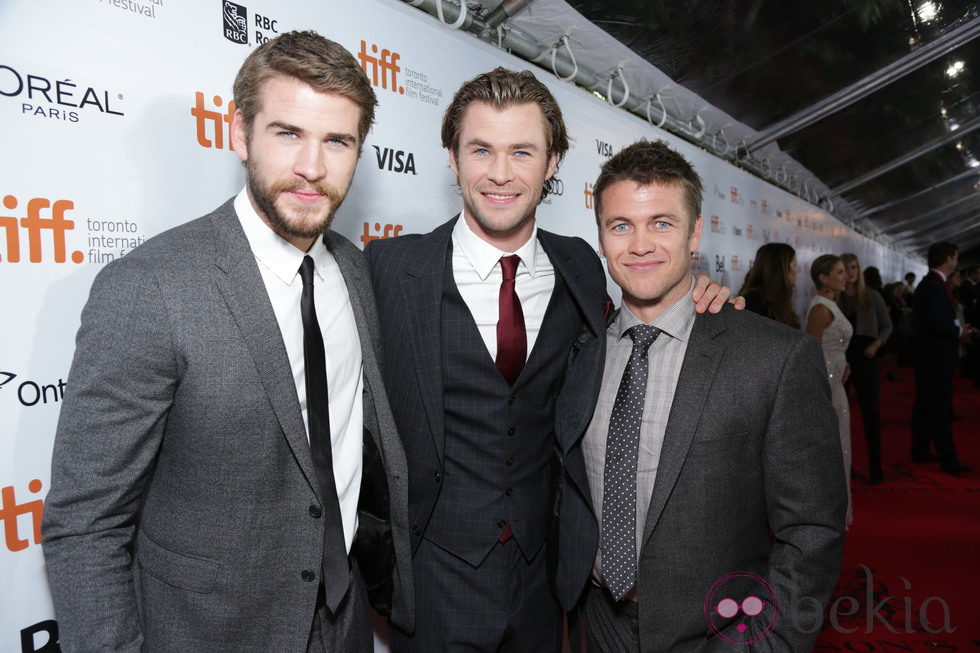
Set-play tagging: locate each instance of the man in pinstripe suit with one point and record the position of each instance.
(478, 319)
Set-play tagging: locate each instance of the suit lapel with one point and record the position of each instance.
(357, 288)
(241, 285)
(704, 353)
(423, 286)
(588, 295)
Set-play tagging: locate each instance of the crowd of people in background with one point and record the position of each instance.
(868, 328)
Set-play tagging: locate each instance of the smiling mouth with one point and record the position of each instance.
(645, 266)
(501, 198)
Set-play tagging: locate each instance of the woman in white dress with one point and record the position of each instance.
(826, 323)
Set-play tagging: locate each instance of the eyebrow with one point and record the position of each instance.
(516, 146)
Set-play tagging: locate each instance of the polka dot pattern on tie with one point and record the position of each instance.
(618, 539)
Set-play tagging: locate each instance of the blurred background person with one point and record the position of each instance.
(865, 309)
(969, 296)
(898, 310)
(826, 323)
(910, 283)
(937, 336)
(769, 284)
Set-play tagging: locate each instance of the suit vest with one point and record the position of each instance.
(500, 441)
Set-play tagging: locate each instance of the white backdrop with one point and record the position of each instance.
(113, 125)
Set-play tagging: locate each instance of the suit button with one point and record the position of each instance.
(308, 576)
(501, 523)
(510, 461)
(436, 475)
(508, 491)
(416, 530)
(511, 431)
(511, 399)
(315, 512)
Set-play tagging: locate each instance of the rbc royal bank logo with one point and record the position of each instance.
(235, 18)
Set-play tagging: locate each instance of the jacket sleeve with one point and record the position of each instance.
(806, 500)
(932, 312)
(119, 391)
(881, 314)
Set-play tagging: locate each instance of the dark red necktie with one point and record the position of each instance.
(511, 337)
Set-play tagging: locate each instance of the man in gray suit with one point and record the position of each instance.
(719, 527)
(226, 473)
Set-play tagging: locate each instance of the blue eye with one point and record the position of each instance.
(621, 227)
(287, 134)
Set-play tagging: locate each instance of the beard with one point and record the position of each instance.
(305, 222)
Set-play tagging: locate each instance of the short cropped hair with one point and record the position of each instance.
(645, 163)
(323, 64)
(939, 252)
(501, 89)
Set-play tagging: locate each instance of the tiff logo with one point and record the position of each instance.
(383, 69)
(715, 224)
(210, 130)
(390, 231)
(589, 200)
(35, 225)
(10, 510)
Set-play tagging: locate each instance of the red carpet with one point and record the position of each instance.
(918, 536)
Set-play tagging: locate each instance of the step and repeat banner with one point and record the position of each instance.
(114, 120)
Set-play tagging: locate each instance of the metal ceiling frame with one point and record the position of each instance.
(866, 214)
(947, 233)
(904, 225)
(868, 85)
(942, 227)
(899, 161)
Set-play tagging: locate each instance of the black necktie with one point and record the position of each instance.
(336, 571)
(618, 539)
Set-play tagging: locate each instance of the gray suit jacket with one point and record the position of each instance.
(179, 516)
(750, 479)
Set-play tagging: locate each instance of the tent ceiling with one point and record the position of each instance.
(761, 61)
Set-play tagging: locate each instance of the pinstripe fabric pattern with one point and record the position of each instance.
(665, 359)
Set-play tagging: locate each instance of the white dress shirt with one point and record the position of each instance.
(279, 264)
(476, 270)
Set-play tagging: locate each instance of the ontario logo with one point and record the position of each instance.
(382, 67)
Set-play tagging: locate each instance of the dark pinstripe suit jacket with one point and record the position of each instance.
(408, 277)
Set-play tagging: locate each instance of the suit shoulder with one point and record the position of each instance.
(573, 244)
(177, 248)
(749, 326)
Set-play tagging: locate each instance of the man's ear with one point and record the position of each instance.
(694, 242)
(552, 166)
(452, 160)
(238, 135)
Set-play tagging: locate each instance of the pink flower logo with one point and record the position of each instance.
(741, 608)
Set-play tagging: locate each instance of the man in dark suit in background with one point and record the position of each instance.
(969, 295)
(937, 337)
(478, 319)
(717, 526)
(208, 489)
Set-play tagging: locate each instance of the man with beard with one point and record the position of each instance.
(226, 472)
(479, 318)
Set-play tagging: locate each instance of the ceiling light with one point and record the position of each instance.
(928, 11)
(955, 69)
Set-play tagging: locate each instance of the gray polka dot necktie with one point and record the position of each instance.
(619, 473)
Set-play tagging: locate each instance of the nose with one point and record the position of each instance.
(310, 163)
(642, 243)
(500, 171)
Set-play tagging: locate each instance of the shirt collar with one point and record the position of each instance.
(941, 275)
(676, 321)
(483, 256)
(273, 251)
